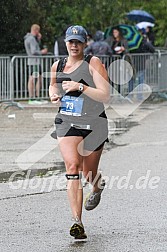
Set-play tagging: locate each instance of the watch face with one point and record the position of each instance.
(81, 87)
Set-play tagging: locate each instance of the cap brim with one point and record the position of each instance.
(77, 37)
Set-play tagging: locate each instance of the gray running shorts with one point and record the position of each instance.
(94, 132)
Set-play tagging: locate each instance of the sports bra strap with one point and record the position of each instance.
(61, 64)
(88, 57)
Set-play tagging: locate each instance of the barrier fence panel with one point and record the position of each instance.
(5, 88)
(21, 71)
(46, 65)
(145, 71)
(162, 73)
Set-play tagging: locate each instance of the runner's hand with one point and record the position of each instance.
(55, 99)
(70, 86)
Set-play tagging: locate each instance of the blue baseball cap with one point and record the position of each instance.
(76, 32)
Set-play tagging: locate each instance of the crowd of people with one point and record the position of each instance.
(115, 44)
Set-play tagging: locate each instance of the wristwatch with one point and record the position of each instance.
(81, 87)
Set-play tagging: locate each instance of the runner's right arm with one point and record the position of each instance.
(54, 93)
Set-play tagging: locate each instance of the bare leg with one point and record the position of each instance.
(73, 161)
(90, 167)
(31, 87)
(38, 86)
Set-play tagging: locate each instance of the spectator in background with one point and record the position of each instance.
(89, 38)
(60, 45)
(119, 46)
(150, 35)
(31, 43)
(141, 62)
(143, 33)
(99, 46)
(118, 43)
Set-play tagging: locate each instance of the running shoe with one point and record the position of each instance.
(93, 198)
(42, 101)
(34, 102)
(77, 230)
(37, 102)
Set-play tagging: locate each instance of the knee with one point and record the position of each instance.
(73, 168)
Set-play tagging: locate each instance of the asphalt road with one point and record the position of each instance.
(132, 214)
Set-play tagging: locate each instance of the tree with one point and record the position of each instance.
(13, 19)
(54, 16)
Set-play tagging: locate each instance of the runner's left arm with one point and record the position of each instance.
(100, 77)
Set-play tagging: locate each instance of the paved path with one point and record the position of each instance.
(131, 216)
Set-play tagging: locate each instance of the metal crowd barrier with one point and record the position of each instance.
(147, 68)
(162, 72)
(129, 71)
(20, 71)
(5, 88)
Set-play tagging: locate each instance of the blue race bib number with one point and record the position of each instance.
(71, 105)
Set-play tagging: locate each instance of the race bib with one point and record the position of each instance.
(71, 105)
